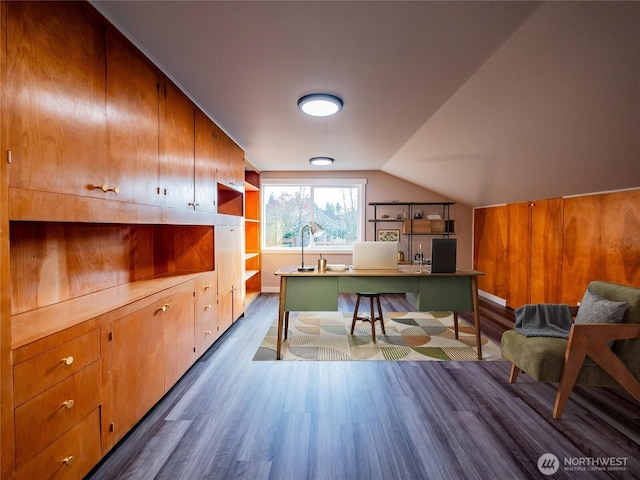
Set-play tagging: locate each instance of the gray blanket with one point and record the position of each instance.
(544, 320)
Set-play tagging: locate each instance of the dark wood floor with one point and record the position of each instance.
(230, 417)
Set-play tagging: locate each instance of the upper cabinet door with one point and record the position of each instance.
(177, 170)
(205, 163)
(55, 98)
(132, 123)
(230, 161)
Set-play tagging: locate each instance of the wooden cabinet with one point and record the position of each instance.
(557, 246)
(132, 123)
(206, 145)
(136, 354)
(206, 326)
(177, 313)
(55, 81)
(230, 164)
(177, 171)
(601, 241)
(253, 283)
(117, 281)
(230, 266)
(58, 392)
(534, 252)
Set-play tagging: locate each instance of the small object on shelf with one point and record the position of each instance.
(385, 216)
(434, 216)
(417, 215)
(336, 267)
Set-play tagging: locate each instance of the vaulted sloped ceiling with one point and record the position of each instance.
(483, 102)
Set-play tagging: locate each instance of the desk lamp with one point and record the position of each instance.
(315, 230)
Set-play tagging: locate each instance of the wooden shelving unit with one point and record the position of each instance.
(253, 261)
(403, 215)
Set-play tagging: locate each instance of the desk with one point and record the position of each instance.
(313, 291)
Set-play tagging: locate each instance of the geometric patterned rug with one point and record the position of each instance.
(410, 336)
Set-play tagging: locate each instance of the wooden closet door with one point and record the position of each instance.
(490, 249)
(519, 254)
(546, 251)
(55, 98)
(132, 123)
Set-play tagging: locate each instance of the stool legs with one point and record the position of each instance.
(373, 317)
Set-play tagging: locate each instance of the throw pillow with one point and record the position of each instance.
(596, 309)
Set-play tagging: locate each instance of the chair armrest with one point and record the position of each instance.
(603, 332)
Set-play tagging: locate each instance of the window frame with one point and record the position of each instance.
(359, 183)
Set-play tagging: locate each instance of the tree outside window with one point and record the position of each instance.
(288, 207)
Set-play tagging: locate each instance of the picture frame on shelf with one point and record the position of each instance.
(388, 235)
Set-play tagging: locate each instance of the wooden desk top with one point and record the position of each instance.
(401, 271)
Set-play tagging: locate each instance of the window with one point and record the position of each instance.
(336, 205)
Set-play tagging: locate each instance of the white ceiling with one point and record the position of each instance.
(483, 102)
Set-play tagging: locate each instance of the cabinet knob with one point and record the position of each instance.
(106, 189)
(164, 307)
(67, 360)
(207, 306)
(207, 287)
(194, 204)
(68, 404)
(207, 332)
(68, 461)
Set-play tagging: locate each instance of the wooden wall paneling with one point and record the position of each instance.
(7, 444)
(178, 145)
(55, 98)
(582, 251)
(132, 122)
(546, 251)
(205, 163)
(53, 262)
(620, 236)
(519, 254)
(490, 249)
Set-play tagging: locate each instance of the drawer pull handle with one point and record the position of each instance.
(208, 332)
(68, 404)
(207, 287)
(106, 189)
(207, 307)
(67, 360)
(68, 461)
(164, 307)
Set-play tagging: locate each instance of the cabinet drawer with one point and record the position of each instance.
(72, 456)
(46, 417)
(35, 375)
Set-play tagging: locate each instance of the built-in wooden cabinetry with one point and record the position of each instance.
(121, 237)
(547, 251)
(253, 266)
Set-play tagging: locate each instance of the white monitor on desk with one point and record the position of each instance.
(375, 256)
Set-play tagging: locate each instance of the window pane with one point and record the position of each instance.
(287, 208)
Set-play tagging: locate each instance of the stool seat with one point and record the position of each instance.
(372, 319)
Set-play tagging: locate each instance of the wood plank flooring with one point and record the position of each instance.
(233, 418)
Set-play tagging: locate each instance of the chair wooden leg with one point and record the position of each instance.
(574, 357)
(355, 314)
(455, 324)
(514, 374)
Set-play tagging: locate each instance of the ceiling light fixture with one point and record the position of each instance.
(320, 104)
(321, 161)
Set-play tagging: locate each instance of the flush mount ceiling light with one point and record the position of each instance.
(320, 104)
(321, 161)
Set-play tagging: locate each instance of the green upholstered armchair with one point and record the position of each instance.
(586, 357)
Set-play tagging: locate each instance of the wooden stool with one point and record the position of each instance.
(373, 318)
